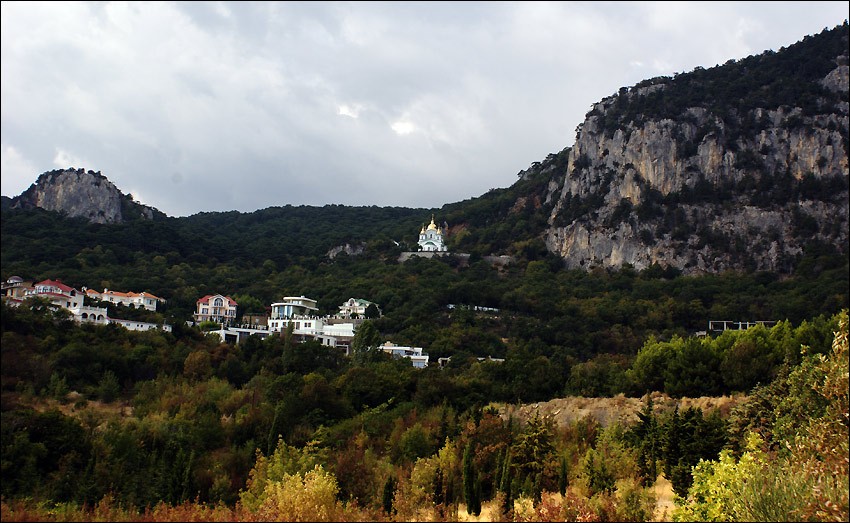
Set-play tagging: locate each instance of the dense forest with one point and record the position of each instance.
(171, 425)
(103, 423)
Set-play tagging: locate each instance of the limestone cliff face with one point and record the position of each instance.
(81, 193)
(714, 187)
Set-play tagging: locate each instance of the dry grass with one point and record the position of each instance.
(619, 409)
(664, 505)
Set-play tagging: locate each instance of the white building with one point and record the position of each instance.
(61, 295)
(291, 307)
(355, 308)
(134, 325)
(58, 293)
(418, 358)
(89, 314)
(431, 238)
(301, 313)
(128, 299)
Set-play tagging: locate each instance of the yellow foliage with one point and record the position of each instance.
(296, 498)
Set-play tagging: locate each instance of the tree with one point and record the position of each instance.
(372, 312)
(108, 387)
(563, 479)
(505, 482)
(365, 345)
(534, 446)
(644, 435)
(388, 495)
(471, 483)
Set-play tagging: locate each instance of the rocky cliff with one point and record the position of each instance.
(81, 193)
(733, 168)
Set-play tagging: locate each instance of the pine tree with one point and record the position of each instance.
(646, 431)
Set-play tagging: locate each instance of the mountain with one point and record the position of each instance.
(742, 167)
(737, 167)
(731, 168)
(81, 193)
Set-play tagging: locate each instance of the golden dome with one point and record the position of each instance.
(432, 226)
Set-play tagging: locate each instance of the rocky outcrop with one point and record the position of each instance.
(81, 193)
(717, 187)
(349, 249)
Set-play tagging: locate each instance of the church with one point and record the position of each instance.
(431, 238)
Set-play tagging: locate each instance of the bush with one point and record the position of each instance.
(296, 498)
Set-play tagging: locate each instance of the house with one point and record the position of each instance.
(89, 314)
(418, 358)
(215, 307)
(291, 307)
(15, 288)
(69, 298)
(431, 238)
(300, 313)
(128, 299)
(57, 293)
(134, 325)
(355, 308)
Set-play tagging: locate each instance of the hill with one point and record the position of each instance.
(743, 166)
(80, 193)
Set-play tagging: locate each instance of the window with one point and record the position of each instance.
(218, 302)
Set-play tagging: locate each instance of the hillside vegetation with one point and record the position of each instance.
(312, 437)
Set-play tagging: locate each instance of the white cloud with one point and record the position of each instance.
(64, 160)
(206, 106)
(350, 111)
(17, 171)
(403, 127)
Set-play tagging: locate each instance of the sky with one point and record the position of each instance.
(218, 106)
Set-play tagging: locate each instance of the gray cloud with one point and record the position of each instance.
(216, 106)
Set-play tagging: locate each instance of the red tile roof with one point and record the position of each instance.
(55, 283)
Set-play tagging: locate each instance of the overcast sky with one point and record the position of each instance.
(219, 106)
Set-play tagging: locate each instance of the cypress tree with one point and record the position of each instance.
(497, 476)
(468, 479)
(537, 488)
(505, 476)
(476, 495)
(438, 487)
(389, 495)
(505, 485)
(563, 480)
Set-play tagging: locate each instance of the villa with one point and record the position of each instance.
(128, 299)
(215, 307)
(66, 297)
